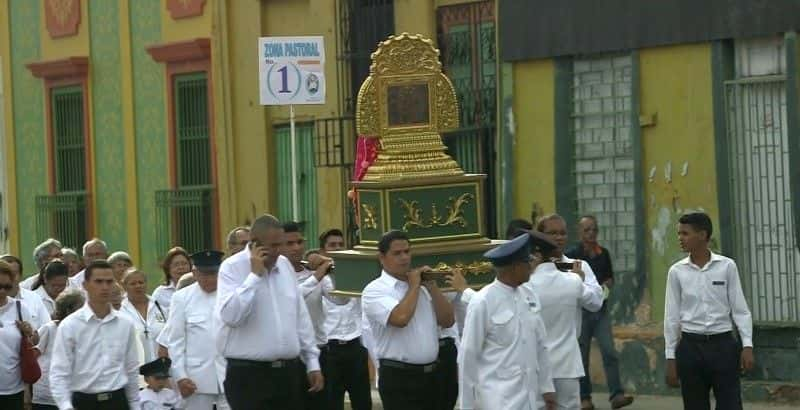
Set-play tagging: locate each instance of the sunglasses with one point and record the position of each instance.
(6, 287)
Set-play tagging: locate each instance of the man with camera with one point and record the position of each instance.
(405, 312)
(265, 327)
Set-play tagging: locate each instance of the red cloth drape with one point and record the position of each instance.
(366, 154)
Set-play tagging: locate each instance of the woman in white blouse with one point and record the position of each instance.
(66, 303)
(51, 283)
(146, 314)
(11, 334)
(176, 263)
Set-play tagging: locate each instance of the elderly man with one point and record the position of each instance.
(198, 371)
(93, 250)
(42, 255)
(237, 239)
(504, 359)
(265, 325)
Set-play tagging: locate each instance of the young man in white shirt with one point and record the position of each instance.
(198, 371)
(95, 362)
(346, 367)
(703, 294)
(265, 328)
(503, 354)
(404, 315)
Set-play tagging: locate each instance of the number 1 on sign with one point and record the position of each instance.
(284, 79)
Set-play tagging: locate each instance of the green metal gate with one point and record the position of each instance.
(306, 177)
(764, 242)
(63, 215)
(185, 216)
(467, 42)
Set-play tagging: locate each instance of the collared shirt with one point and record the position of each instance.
(560, 297)
(76, 281)
(592, 298)
(702, 300)
(160, 400)
(48, 302)
(313, 291)
(148, 328)
(34, 304)
(343, 321)
(460, 304)
(418, 342)
(94, 355)
(28, 282)
(503, 355)
(190, 333)
(10, 338)
(263, 317)
(47, 339)
(163, 295)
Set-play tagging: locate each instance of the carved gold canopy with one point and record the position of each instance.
(406, 102)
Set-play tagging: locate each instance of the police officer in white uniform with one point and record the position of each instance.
(503, 353)
(198, 370)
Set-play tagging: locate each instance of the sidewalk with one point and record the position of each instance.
(642, 402)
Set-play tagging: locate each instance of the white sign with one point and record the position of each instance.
(291, 70)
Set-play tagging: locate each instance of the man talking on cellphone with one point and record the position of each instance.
(266, 333)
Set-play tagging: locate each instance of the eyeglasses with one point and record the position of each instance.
(6, 287)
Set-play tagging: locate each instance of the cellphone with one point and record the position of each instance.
(565, 266)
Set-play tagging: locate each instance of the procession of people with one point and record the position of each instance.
(261, 326)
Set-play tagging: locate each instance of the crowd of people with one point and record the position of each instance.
(261, 326)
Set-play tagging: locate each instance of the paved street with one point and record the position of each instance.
(645, 402)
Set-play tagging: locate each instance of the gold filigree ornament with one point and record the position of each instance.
(412, 215)
(370, 220)
(474, 268)
(455, 213)
(61, 10)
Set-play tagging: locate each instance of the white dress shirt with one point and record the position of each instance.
(560, 297)
(418, 342)
(93, 355)
(313, 292)
(10, 338)
(28, 282)
(160, 400)
(701, 300)
(592, 298)
(263, 318)
(343, 321)
(191, 332)
(48, 302)
(163, 295)
(47, 339)
(39, 314)
(503, 355)
(76, 281)
(147, 329)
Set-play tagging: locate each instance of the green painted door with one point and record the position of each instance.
(306, 178)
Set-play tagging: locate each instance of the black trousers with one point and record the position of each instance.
(115, 400)
(316, 400)
(36, 406)
(347, 370)
(265, 385)
(410, 388)
(12, 401)
(709, 363)
(447, 374)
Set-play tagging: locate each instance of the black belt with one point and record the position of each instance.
(445, 341)
(275, 364)
(98, 397)
(421, 368)
(340, 343)
(706, 338)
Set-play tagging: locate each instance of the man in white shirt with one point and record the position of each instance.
(95, 360)
(93, 250)
(314, 286)
(555, 227)
(198, 370)
(346, 367)
(503, 352)
(703, 293)
(32, 302)
(265, 328)
(404, 316)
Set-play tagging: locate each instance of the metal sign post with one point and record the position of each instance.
(293, 137)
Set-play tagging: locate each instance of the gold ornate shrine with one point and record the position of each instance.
(413, 185)
(406, 102)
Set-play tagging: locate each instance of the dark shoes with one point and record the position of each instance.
(586, 404)
(619, 401)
